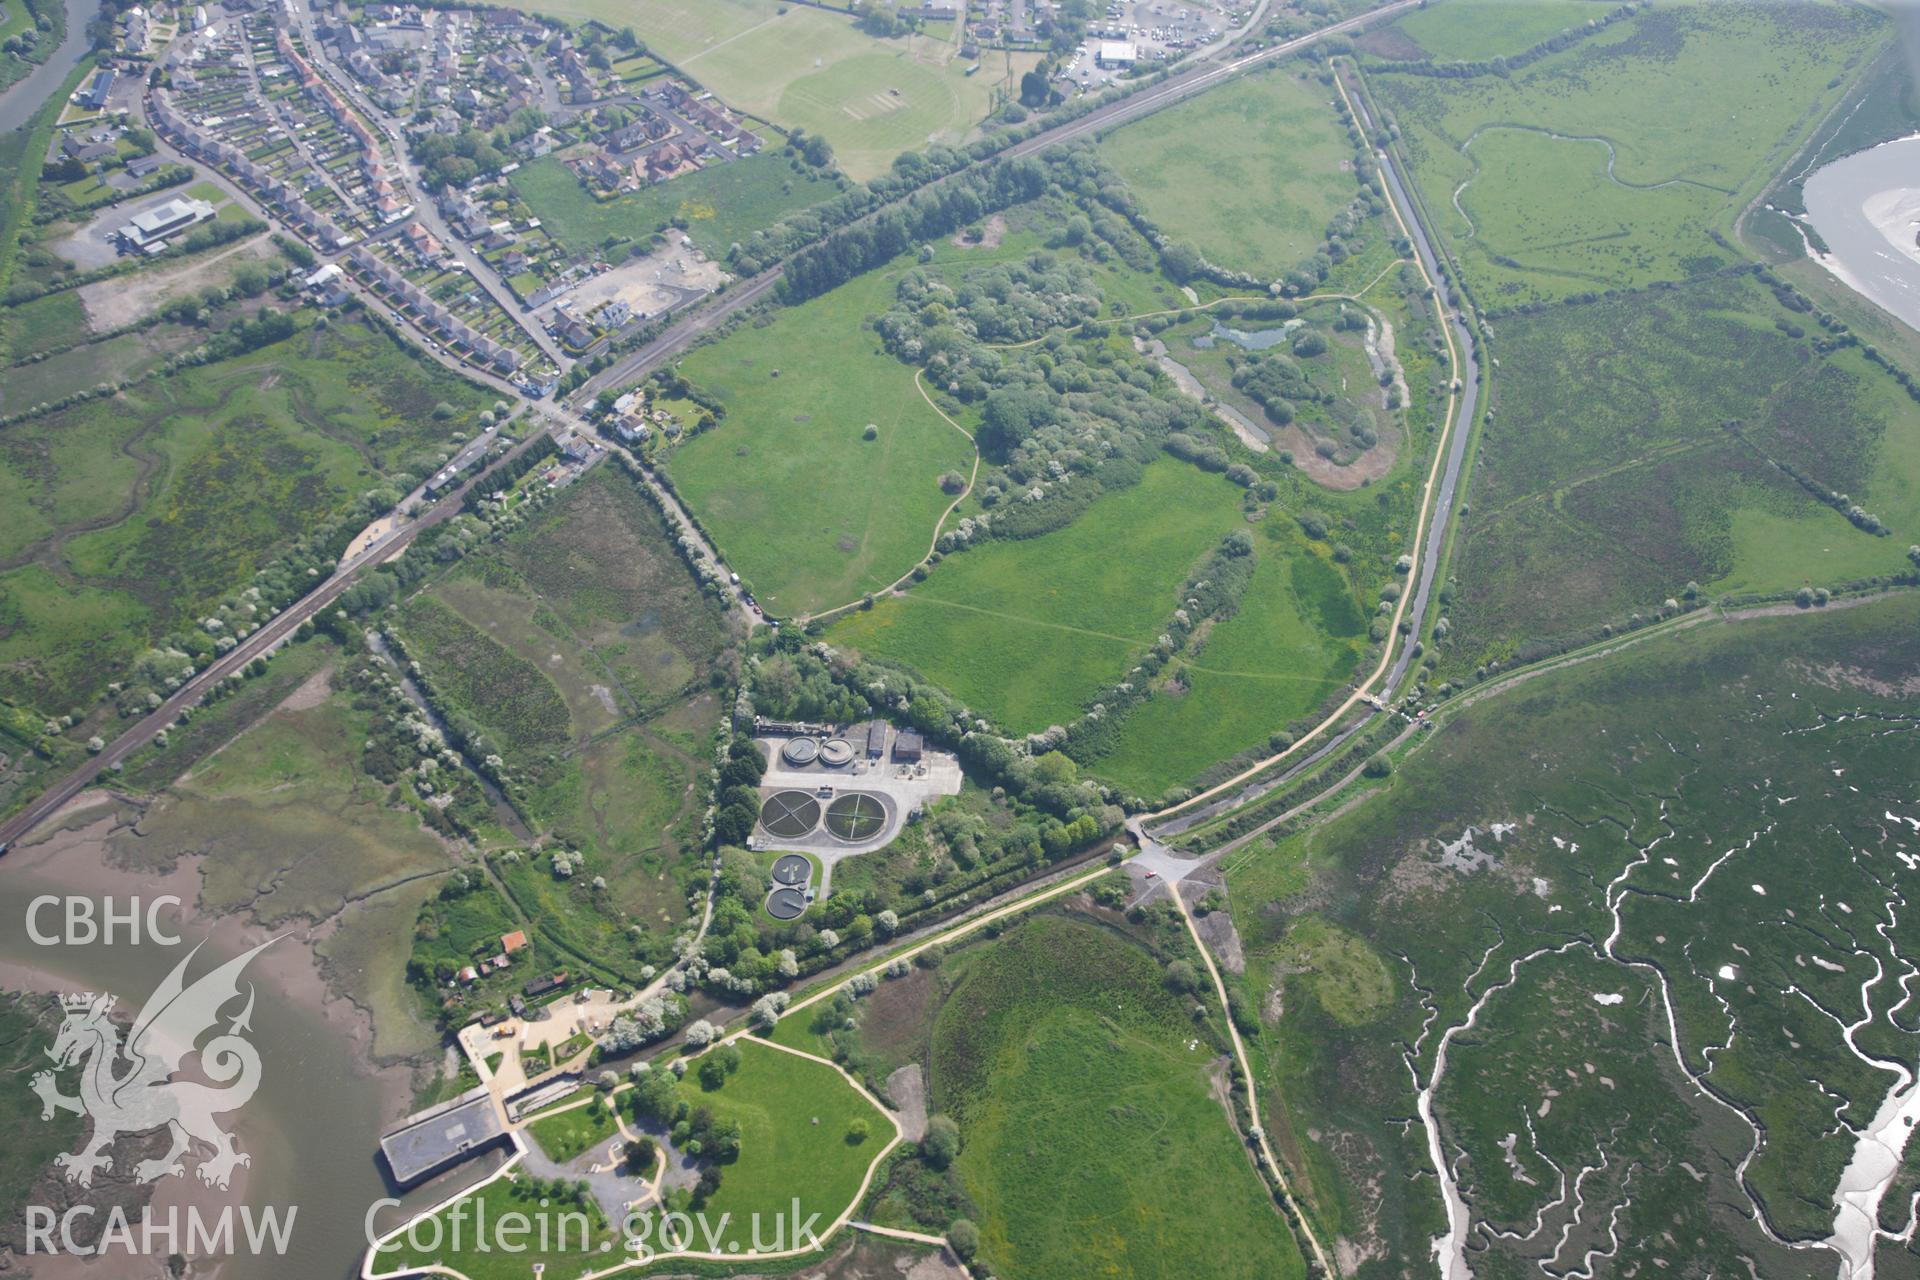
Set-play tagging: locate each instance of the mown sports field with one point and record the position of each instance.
(809, 68)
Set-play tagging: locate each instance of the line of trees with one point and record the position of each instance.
(929, 214)
(1514, 62)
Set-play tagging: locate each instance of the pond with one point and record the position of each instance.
(1251, 340)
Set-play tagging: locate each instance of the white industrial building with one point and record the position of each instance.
(148, 232)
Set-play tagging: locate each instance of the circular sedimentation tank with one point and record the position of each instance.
(856, 816)
(800, 751)
(790, 814)
(836, 752)
(786, 904)
(792, 869)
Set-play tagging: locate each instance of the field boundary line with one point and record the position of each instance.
(721, 44)
(1031, 622)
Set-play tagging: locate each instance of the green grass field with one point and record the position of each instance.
(720, 204)
(1595, 229)
(562, 1237)
(785, 1156)
(1249, 173)
(811, 514)
(1653, 846)
(803, 67)
(1027, 632)
(565, 1135)
(56, 320)
(795, 1117)
(1296, 638)
(1469, 30)
(1696, 100)
(131, 355)
(1091, 1142)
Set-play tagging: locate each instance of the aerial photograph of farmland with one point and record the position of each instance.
(959, 639)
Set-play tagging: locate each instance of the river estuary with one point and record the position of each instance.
(1867, 209)
(312, 1130)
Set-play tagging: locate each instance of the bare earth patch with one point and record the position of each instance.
(1223, 940)
(1369, 466)
(991, 234)
(907, 1087)
(124, 299)
(311, 693)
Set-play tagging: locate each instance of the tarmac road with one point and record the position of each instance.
(1433, 545)
(1467, 370)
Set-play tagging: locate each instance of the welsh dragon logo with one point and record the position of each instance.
(130, 1088)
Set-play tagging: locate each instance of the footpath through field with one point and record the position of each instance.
(933, 543)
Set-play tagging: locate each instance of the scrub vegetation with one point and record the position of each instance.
(1081, 1081)
(574, 662)
(136, 517)
(1697, 435)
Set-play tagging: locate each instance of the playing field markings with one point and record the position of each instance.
(690, 60)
